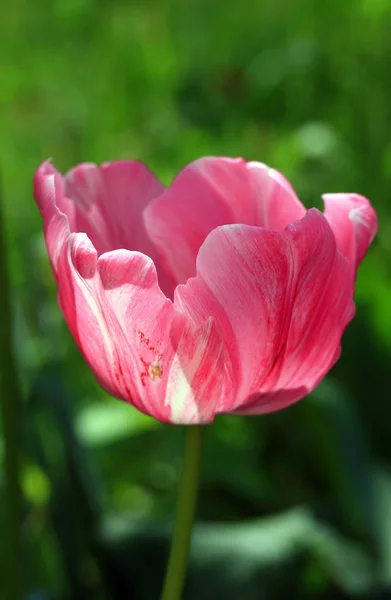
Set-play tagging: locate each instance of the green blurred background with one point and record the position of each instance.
(295, 504)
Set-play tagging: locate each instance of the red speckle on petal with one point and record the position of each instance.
(118, 374)
(145, 372)
(152, 369)
(119, 377)
(145, 340)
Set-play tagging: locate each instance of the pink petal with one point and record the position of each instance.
(354, 223)
(48, 193)
(276, 203)
(322, 308)
(244, 280)
(140, 348)
(107, 204)
(282, 301)
(211, 192)
(278, 399)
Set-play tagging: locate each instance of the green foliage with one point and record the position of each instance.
(295, 504)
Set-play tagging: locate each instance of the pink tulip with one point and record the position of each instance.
(218, 294)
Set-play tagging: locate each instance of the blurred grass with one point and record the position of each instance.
(303, 86)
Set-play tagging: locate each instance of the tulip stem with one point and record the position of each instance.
(187, 498)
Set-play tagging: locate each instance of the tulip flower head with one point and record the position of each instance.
(218, 294)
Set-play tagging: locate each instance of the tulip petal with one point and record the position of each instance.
(354, 223)
(48, 193)
(282, 301)
(104, 202)
(276, 203)
(140, 348)
(244, 280)
(322, 308)
(109, 202)
(215, 191)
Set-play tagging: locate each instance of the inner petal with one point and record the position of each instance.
(107, 204)
(109, 201)
(215, 191)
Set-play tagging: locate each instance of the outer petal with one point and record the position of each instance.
(107, 204)
(354, 223)
(282, 300)
(48, 193)
(244, 280)
(211, 192)
(322, 308)
(139, 346)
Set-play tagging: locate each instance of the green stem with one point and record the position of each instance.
(187, 497)
(10, 401)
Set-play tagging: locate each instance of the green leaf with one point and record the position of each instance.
(247, 558)
(108, 421)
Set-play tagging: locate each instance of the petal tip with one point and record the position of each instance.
(83, 254)
(46, 184)
(354, 223)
